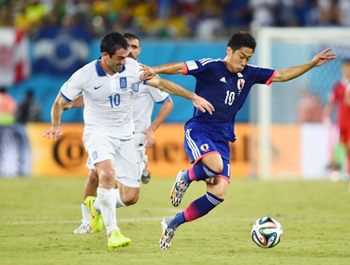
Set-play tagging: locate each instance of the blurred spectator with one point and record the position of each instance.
(8, 108)
(263, 12)
(310, 108)
(236, 14)
(293, 13)
(344, 13)
(204, 19)
(340, 99)
(28, 110)
(210, 25)
(35, 12)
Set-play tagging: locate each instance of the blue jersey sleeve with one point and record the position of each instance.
(262, 75)
(194, 67)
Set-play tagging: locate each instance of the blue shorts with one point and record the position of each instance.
(199, 143)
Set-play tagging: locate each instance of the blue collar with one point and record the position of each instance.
(123, 68)
(100, 71)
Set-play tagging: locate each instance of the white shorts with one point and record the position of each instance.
(141, 150)
(125, 157)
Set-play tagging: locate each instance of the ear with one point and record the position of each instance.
(104, 54)
(229, 51)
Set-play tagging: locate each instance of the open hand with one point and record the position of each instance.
(202, 104)
(54, 131)
(149, 137)
(147, 72)
(324, 57)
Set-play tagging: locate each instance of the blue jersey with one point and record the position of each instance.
(225, 90)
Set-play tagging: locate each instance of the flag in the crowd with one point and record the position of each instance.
(14, 56)
(61, 51)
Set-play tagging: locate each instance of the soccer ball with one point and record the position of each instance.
(266, 232)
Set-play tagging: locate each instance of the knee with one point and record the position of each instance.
(214, 163)
(217, 167)
(219, 189)
(130, 199)
(106, 178)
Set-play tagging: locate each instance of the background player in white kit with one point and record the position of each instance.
(107, 86)
(143, 105)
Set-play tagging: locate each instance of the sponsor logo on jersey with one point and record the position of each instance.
(191, 65)
(223, 79)
(123, 83)
(97, 87)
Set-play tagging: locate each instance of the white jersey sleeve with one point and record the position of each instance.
(73, 86)
(157, 94)
(143, 106)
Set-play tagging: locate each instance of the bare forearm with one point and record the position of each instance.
(56, 114)
(175, 89)
(57, 109)
(163, 113)
(171, 68)
(290, 73)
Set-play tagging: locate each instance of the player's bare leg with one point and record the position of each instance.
(107, 201)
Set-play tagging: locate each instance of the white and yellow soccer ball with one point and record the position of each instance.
(266, 232)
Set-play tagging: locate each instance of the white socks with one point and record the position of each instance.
(85, 214)
(119, 202)
(106, 200)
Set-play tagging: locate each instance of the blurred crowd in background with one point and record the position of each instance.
(201, 19)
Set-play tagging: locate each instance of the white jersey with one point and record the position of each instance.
(108, 99)
(143, 106)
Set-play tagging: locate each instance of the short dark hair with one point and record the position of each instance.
(241, 39)
(129, 35)
(113, 41)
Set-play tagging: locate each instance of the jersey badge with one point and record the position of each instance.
(123, 82)
(240, 84)
(135, 87)
(191, 65)
(94, 155)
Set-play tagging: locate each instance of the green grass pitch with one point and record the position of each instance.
(38, 216)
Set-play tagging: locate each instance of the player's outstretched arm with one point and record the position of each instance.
(200, 103)
(289, 73)
(56, 113)
(170, 68)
